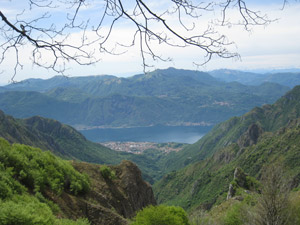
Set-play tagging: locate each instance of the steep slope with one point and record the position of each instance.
(68, 143)
(268, 118)
(49, 134)
(40, 188)
(263, 136)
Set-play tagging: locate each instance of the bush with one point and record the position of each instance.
(72, 222)
(25, 170)
(234, 215)
(161, 215)
(8, 185)
(37, 170)
(107, 173)
(26, 210)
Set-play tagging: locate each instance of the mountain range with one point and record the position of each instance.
(289, 79)
(162, 97)
(202, 176)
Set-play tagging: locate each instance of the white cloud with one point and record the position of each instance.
(276, 45)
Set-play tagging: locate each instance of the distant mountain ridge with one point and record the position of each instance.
(167, 97)
(289, 79)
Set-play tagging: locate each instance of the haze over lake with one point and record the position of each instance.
(157, 134)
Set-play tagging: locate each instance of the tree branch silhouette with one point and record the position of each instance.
(53, 46)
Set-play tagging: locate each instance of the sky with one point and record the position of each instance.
(275, 46)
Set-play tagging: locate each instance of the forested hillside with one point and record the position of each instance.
(268, 118)
(262, 137)
(165, 97)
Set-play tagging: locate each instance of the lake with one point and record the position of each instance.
(157, 134)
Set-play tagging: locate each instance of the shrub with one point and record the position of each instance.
(26, 210)
(234, 216)
(161, 215)
(107, 173)
(37, 169)
(72, 222)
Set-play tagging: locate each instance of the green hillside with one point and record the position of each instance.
(68, 143)
(261, 137)
(26, 175)
(37, 187)
(269, 118)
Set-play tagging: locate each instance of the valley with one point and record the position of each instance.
(188, 162)
(117, 112)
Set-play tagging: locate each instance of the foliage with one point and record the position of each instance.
(234, 216)
(72, 222)
(9, 186)
(28, 210)
(161, 215)
(107, 172)
(68, 143)
(25, 210)
(24, 170)
(39, 170)
(275, 204)
(216, 155)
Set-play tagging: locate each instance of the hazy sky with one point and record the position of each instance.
(272, 47)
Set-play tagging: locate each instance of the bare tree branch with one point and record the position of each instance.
(53, 45)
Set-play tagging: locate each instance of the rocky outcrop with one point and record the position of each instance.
(251, 136)
(240, 177)
(231, 192)
(239, 180)
(111, 200)
(139, 193)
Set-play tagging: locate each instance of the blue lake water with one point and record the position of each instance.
(158, 134)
